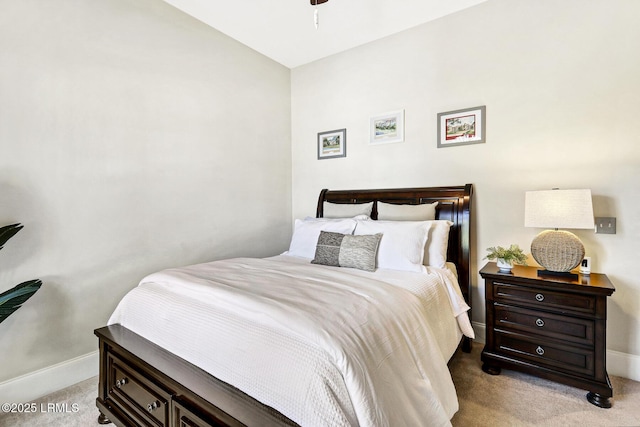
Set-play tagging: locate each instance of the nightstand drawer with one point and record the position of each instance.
(564, 328)
(554, 356)
(543, 299)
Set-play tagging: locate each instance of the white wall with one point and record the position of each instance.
(560, 83)
(132, 138)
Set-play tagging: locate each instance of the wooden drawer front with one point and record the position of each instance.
(554, 356)
(146, 399)
(577, 330)
(540, 298)
(183, 416)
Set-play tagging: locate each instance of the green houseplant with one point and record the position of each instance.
(13, 299)
(506, 257)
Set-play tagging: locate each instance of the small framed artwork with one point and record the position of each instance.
(461, 127)
(332, 144)
(387, 128)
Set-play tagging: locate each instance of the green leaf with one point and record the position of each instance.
(13, 299)
(513, 254)
(7, 232)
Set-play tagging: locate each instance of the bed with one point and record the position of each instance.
(224, 351)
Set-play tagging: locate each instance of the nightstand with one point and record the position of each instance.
(548, 326)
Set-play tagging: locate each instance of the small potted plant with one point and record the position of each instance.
(506, 257)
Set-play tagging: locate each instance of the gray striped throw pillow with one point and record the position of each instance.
(346, 250)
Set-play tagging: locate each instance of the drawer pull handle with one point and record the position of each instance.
(539, 297)
(539, 323)
(121, 382)
(540, 350)
(152, 406)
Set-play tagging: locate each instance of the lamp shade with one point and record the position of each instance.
(558, 209)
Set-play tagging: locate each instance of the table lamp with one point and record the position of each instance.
(558, 251)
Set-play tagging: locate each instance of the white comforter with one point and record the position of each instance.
(325, 346)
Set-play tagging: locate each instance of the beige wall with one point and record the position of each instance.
(132, 138)
(561, 84)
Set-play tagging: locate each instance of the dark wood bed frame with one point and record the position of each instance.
(141, 384)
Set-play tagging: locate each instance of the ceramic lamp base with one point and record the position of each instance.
(557, 250)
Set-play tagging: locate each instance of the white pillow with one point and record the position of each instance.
(402, 244)
(435, 251)
(345, 210)
(391, 212)
(306, 233)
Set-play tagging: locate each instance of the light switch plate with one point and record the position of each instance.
(605, 225)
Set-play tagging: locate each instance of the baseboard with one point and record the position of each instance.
(29, 387)
(481, 332)
(623, 365)
(619, 364)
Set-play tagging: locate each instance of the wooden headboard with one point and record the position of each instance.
(454, 204)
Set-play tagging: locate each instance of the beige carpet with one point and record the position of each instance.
(509, 399)
(83, 414)
(515, 399)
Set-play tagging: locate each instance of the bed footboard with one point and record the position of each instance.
(142, 384)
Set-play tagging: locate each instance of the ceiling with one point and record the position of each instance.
(284, 30)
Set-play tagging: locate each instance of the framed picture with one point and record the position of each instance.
(387, 128)
(332, 144)
(462, 127)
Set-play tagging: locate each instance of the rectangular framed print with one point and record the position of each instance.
(332, 144)
(387, 128)
(462, 127)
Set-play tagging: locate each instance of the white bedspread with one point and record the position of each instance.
(325, 346)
